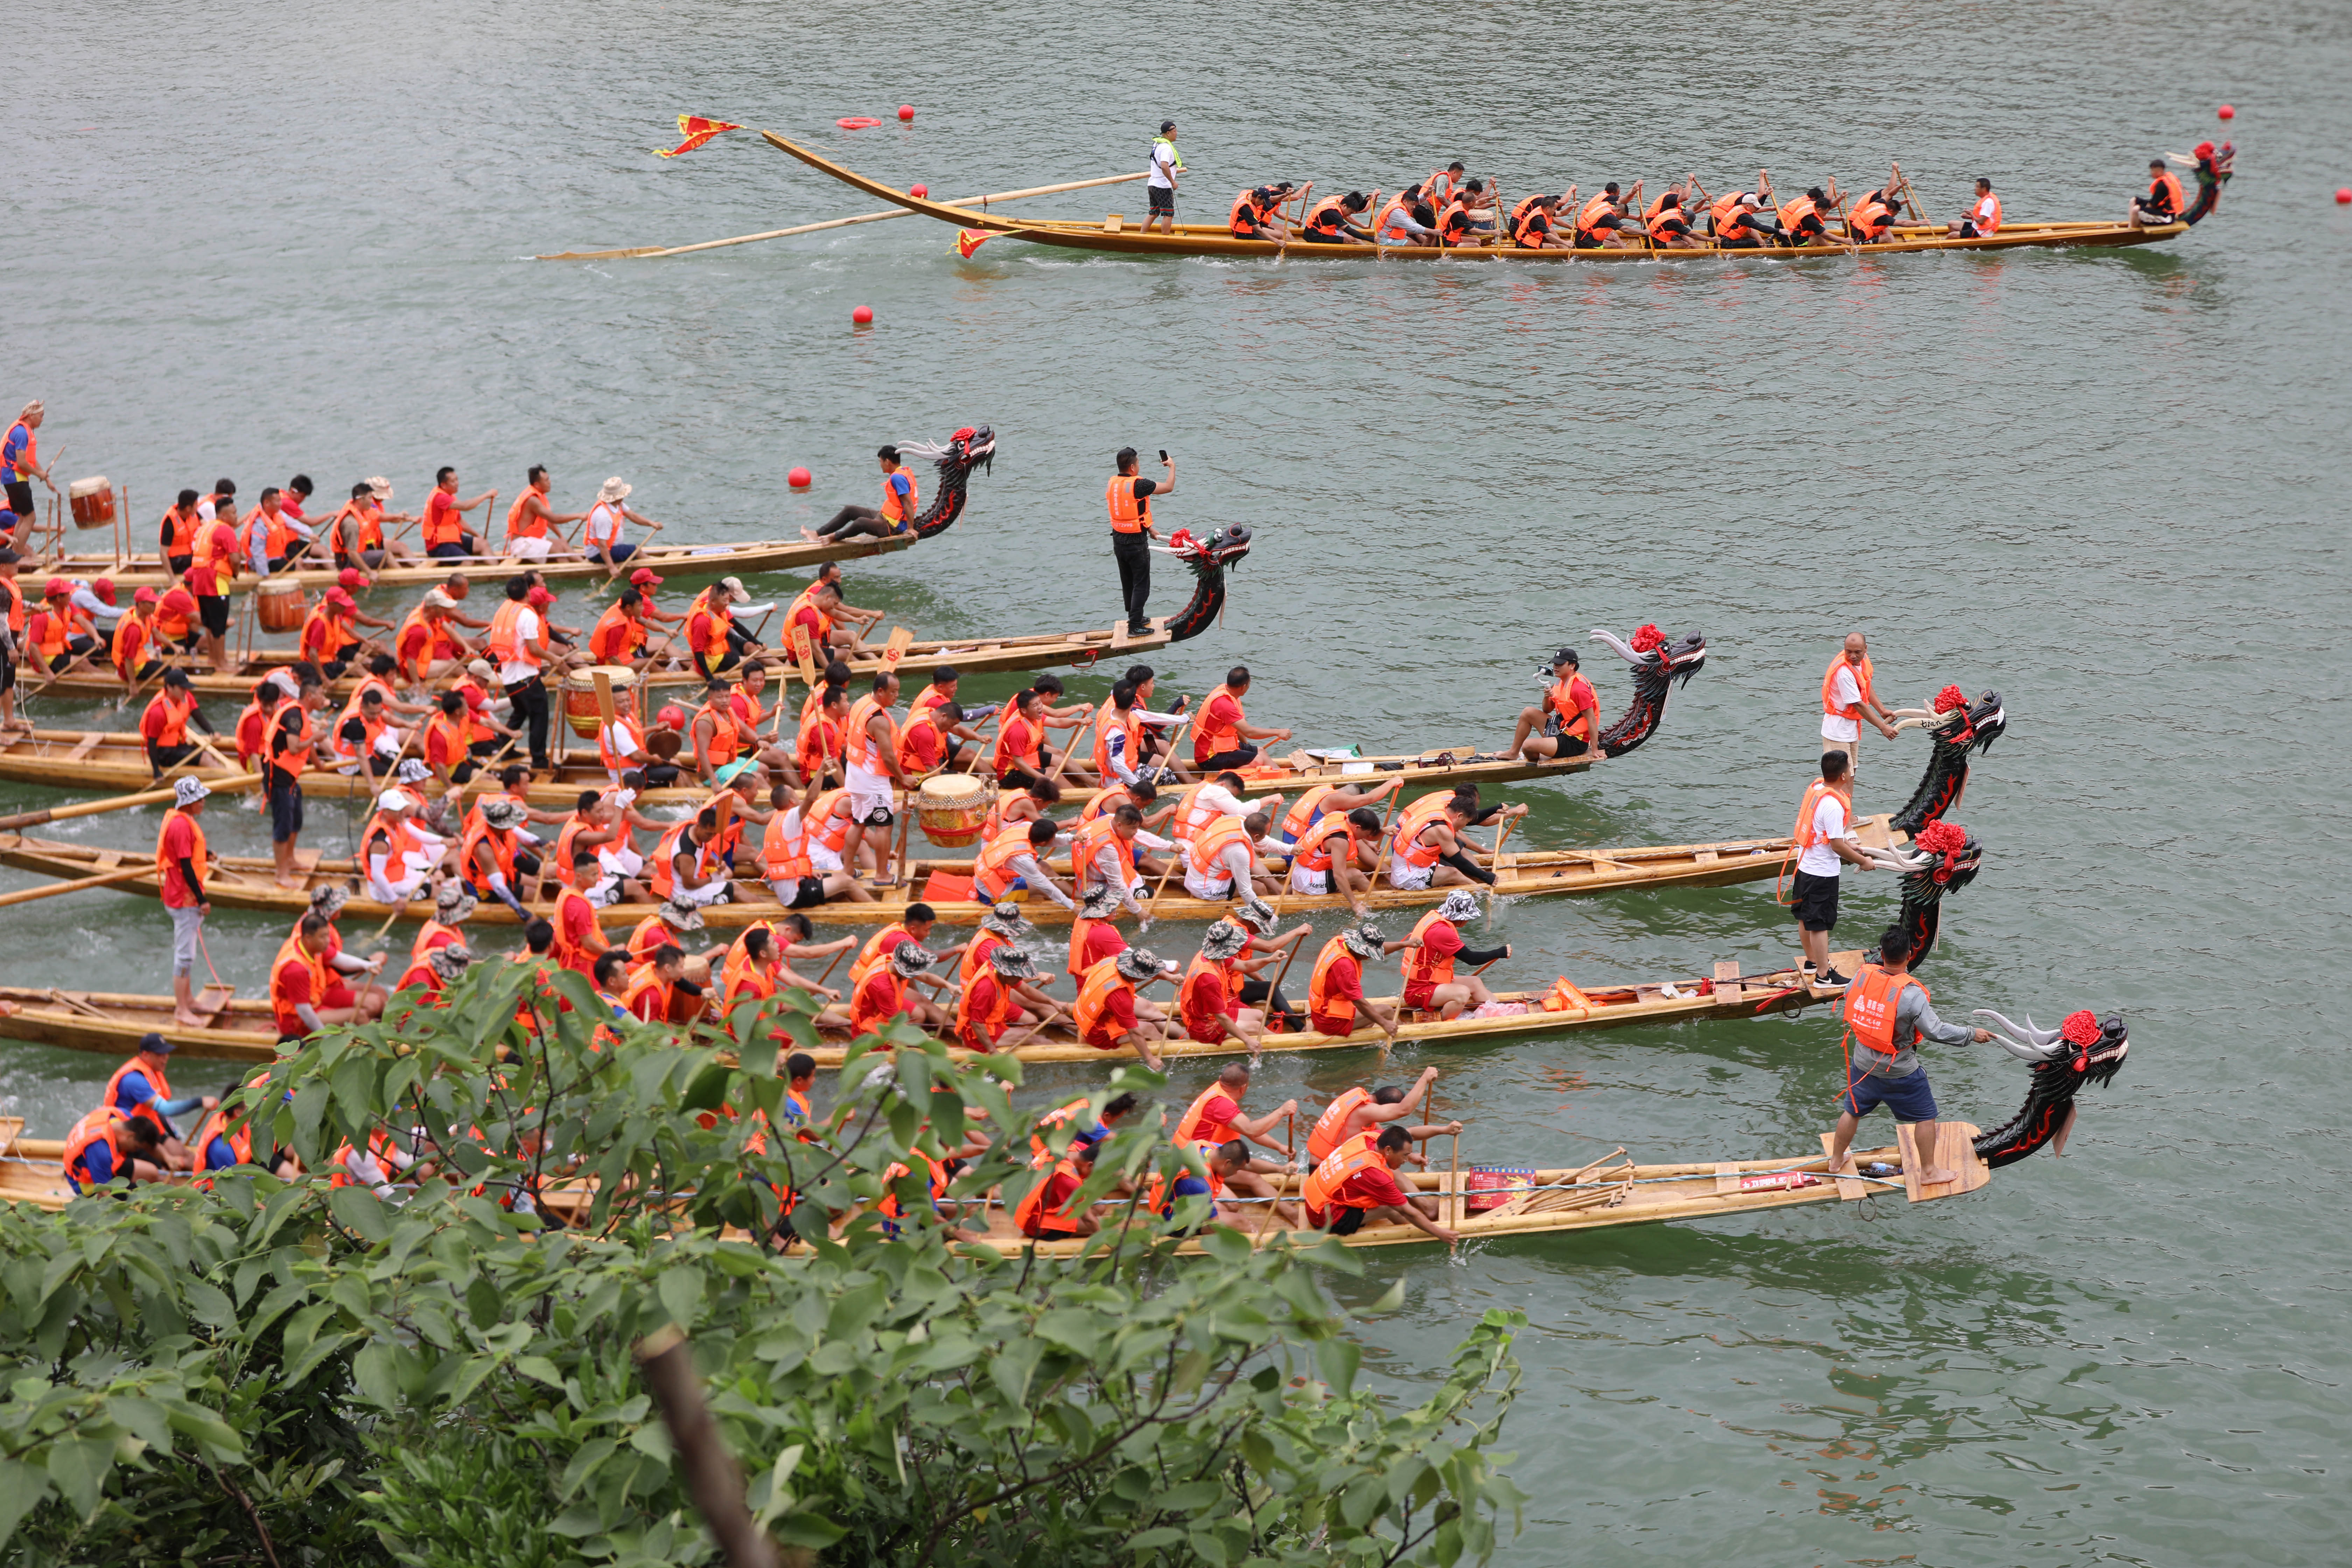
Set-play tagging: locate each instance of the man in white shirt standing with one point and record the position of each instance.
(1166, 164)
(1847, 699)
(1825, 843)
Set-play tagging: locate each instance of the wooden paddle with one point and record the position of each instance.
(120, 874)
(1494, 864)
(1175, 855)
(23, 819)
(1290, 1154)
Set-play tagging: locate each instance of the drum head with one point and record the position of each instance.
(665, 744)
(951, 789)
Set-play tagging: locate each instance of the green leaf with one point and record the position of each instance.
(809, 1529)
(680, 1288)
(1336, 1360)
(538, 1369)
(22, 1488)
(374, 1373)
(358, 1211)
(1014, 1365)
(79, 1466)
(1150, 1539)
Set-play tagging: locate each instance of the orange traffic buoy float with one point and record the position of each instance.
(906, 111)
(857, 123)
(863, 315)
(2227, 112)
(798, 479)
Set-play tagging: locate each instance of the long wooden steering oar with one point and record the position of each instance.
(23, 819)
(120, 874)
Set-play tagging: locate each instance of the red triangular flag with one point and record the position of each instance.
(697, 130)
(971, 239)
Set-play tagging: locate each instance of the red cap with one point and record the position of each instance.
(352, 577)
(644, 577)
(539, 596)
(57, 588)
(336, 596)
(144, 596)
(104, 589)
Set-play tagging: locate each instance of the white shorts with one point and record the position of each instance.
(529, 549)
(711, 893)
(1211, 888)
(607, 892)
(1409, 877)
(1303, 880)
(1843, 729)
(865, 805)
(396, 893)
(824, 859)
(620, 860)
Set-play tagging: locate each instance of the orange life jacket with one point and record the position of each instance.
(1305, 811)
(196, 851)
(1986, 227)
(1803, 831)
(726, 735)
(828, 820)
(1314, 852)
(128, 649)
(1031, 1215)
(1409, 846)
(1861, 684)
(1128, 515)
(1246, 216)
(783, 855)
(1187, 1005)
(506, 641)
(1571, 703)
(161, 1085)
(615, 636)
(1340, 1167)
(519, 526)
(1530, 226)
(1101, 983)
(1217, 735)
(860, 749)
(1206, 851)
(873, 955)
(290, 1022)
(896, 509)
(570, 955)
(993, 871)
(1870, 1004)
(979, 1027)
(1081, 928)
(2165, 191)
(1194, 1125)
(1324, 1136)
(172, 730)
(1327, 217)
(1320, 1002)
(1420, 964)
(100, 1126)
(1087, 846)
(1598, 213)
(870, 1010)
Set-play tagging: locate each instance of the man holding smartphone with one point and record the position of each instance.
(1130, 530)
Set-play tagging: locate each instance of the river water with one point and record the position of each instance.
(247, 241)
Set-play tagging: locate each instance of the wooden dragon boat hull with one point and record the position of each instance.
(248, 882)
(970, 656)
(115, 762)
(680, 562)
(1113, 235)
(1548, 1200)
(109, 1024)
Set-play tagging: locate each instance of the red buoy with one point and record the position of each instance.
(906, 111)
(863, 315)
(857, 123)
(918, 190)
(798, 479)
(2227, 112)
(2344, 195)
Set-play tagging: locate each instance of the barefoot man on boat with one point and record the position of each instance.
(1886, 1015)
(1570, 715)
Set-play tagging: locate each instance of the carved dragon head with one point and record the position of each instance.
(1658, 663)
(2083, 1050)
(1221, 550)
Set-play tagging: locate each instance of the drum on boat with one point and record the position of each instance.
(92, 501)
(579, 710)
(953, 807)
(279, 605)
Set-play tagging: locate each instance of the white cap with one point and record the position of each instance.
(395, 800)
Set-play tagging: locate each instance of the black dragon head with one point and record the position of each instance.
(1956, 728)
(1658, 663)
(2083, 1050)
(1944, 858)
(973, 446)
(1209, 559)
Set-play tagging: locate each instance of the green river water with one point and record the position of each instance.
(250, 240)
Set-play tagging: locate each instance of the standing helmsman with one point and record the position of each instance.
(1886, 1015)
(1167, 164)
(1847, 699)
(1129, 497)
(1826, 841)
(20, 462)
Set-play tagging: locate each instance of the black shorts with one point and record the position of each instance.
(1311, 237)
(285, 810)
(7, 671)
(1163, 200)
(730, 660)
(1815, 901)
(212, 610)
(451, 550)
(180, 563)
(1239, 757)
(165, 757)
(1346, 1222)
(20, 492)
(807, 893)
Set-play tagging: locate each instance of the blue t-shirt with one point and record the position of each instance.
(12, 448)
(1186, 1187)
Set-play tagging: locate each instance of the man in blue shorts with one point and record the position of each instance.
(1886, 1015)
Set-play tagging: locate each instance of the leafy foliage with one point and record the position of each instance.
(440, 1373)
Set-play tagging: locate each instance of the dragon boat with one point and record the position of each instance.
(115, 762)
(1482, 1202)
(109, 1024)
(1492, 1202)
(1209, 560)
(1113, 233)
(968, 448)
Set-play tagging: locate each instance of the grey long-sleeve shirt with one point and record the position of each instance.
(1912, 1012)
